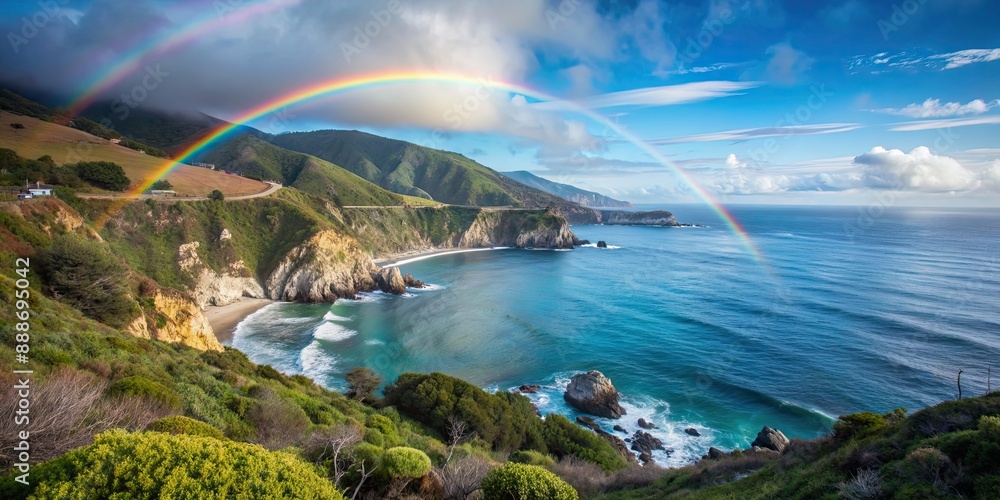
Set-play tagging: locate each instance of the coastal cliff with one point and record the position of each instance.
(385, 231)
(624, 218)
(326, 267)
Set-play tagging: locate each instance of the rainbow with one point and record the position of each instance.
(100, 82)
(344, 85)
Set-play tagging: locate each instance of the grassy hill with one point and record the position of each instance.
(403, 167)
(67, 145)
(167, 131)
(248, 155)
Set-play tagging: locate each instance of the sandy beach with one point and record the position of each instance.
(418, 255)
(225, 318)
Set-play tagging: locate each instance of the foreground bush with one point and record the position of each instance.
(525, 482)
(156, 465)
(406, 462)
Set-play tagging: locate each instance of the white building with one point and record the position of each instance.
(39, 189)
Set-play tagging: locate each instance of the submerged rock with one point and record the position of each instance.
(772, 439)
(620, 429)
(593, 393)
(645, 443)
(412, 282)
(692, 431)
(589, 423)
(646, 425)
(529, 388)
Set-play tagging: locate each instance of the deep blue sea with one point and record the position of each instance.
(847, 309)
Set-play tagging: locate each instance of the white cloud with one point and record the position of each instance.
(754, 133)
(921, 60)
(932, 108)
(656, 96)
(918, 170)
(971, 56)
(733, 162)
(938, 124)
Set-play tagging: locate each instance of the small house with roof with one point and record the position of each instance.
(38, 189)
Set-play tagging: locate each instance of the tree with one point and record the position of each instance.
(216, 195)
(361, 383)
(17, 126)
(161, 185)
(85, 275)
(103, 174)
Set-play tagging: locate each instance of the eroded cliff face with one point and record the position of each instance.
(177, 319)
(326, 267)
(388, 231)
(517, 229)
(217, 288)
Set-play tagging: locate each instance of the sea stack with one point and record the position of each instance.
(593, 393)
(771, 439)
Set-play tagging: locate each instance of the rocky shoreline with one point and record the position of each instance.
(594, 394)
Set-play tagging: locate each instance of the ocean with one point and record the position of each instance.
(845, 310)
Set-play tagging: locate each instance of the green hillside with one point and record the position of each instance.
(250, 156)
(405, 168)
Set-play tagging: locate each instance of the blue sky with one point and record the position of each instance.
(760, 101)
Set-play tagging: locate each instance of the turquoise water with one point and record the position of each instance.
(843, 314)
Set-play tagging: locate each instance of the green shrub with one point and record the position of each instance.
(525, 482)
(143, 387)
(103, 174)
(85, 275)
(375, 437)
(216, 195)
(503, 420)
(384, 426)
(157, 465)
(564, 438)
(184, 425)
(370, 454)
(859, 425)
(532, 457)
(405, 462)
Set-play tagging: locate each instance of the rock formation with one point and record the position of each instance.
(691, 431)
(217, 288)
(646, 425)
(645, 444)
(412, 282)
(328, 266)
(389, 280)
(593, 393)
(623, 218)
(179, 319)
(772, 439)
(529, 388)
(602, 244)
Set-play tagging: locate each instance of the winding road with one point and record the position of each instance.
(272, 188)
